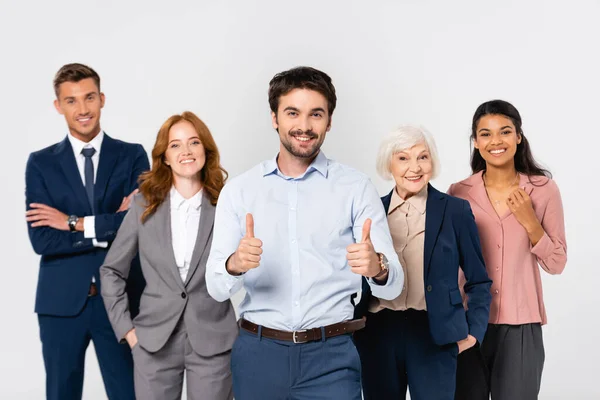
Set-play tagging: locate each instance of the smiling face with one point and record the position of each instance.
(185, 152)
(81, 104)
(497, 140)
(412, 169)
(302, 121)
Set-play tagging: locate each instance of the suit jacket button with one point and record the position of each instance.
(183, 295)
(429, 288)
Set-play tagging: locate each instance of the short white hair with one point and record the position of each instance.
(403, 138)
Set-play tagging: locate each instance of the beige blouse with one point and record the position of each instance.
(407, 226)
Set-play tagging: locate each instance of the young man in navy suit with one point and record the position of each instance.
(77, 194)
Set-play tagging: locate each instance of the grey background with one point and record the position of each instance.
(393, 62)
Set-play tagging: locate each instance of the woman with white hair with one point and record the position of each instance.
(413, 341)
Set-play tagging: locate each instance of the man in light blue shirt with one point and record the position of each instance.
(298, 232)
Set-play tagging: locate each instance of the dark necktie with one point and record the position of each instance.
(89, 174)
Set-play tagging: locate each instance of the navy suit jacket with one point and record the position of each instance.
(69, 260)
(451, 242)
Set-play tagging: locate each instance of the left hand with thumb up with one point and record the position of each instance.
(362, 257)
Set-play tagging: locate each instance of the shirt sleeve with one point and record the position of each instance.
(551, 250)
(368, 205)
(226, 238)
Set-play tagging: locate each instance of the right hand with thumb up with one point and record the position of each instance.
(247, 255)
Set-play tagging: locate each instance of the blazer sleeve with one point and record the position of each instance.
(478, 283)
(47, 241)
(107, 225)
(115, 271)
(551, 250)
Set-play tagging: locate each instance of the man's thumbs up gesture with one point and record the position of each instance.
(362, 256)
(247, 255)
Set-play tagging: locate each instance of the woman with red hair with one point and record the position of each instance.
(179, 327)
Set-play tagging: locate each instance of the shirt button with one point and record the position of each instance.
(293, 240)
(496, 291)
(292, 209)
(429, 288)
(296, 303)
(497, 268)
(499, 246)
(183, 295)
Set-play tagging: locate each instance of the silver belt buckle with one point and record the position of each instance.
(295, 340)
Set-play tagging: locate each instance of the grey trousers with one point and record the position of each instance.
(159, 376)
(514, 355)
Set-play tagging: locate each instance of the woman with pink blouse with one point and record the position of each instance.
(519, 215)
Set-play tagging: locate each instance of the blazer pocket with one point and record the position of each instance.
(455, 297)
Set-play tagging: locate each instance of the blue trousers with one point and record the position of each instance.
(266, 369)
(64, 343)
(397, 352)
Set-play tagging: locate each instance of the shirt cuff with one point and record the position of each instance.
(544, 247)
(229, 280)
(96, 243)
(89, 227)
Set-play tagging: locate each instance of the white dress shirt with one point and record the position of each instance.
(89, 222)
(185, 221)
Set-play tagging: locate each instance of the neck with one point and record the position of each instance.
(187, 187)
(403, 193)
(500, 176)
(86, 138)
(291, 165)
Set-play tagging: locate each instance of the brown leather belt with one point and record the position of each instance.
(93, 290)
(305, 335)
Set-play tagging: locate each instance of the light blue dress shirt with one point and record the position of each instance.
(305, 223)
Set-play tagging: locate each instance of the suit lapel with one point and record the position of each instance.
(207, 219)
(71, 171)
(436, 205)
(109, 154)
(162, 230)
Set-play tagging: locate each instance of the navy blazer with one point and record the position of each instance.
(451, 242)
(69, 260)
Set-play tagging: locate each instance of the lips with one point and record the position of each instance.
(187, 161)
(83, 120)
(413, 178)
(497, 152)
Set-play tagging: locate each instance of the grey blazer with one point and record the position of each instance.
(211, 326)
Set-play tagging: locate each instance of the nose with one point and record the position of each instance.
(305, 124)
(186, 149)
(496, 139)
(82, 108)
(414, 166)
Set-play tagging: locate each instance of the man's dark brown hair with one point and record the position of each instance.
(301, 78)
(74, 73)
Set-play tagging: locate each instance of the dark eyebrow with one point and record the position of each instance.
(483, 129)
(506, 127)
(174, 140)
(317, 109)
(290, 108)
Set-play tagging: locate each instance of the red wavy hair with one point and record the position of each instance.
(156, 183)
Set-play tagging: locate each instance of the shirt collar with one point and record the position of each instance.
(320, 164)
(79, 145)
(177, 200)
(418, 201)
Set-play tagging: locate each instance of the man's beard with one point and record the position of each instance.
(302, 153)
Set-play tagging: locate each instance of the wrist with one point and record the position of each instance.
(79, 225)
(230, 266)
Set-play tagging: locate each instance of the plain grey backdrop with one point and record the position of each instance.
(393, 62)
